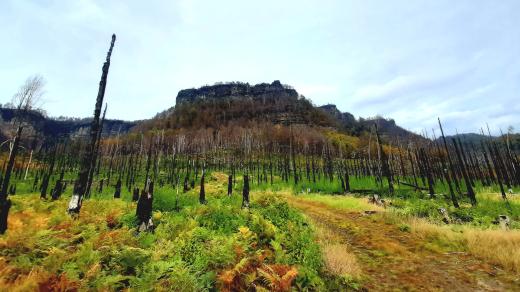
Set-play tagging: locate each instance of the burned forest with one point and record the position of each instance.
(253, 186)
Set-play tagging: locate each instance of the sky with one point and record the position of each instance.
(412, 61)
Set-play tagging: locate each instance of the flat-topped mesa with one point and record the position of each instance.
(235, 90)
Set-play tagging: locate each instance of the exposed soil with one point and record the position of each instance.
(392, 259)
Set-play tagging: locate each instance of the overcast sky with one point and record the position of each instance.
(408, 60)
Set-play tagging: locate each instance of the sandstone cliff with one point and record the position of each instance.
(263, 92)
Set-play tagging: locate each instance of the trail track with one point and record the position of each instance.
(392, 259)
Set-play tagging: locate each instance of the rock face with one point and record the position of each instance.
(346, 119)
(387, 127)
(262, 91)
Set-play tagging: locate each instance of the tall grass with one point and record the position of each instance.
(497, 246)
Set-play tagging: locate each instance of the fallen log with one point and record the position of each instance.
(414, 186)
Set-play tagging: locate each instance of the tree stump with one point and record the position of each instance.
(117, 193)
(230, 185)
(504, 222)
(144, 210)
(445, 217)
(375, 199)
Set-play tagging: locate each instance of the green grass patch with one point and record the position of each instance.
(344, 202)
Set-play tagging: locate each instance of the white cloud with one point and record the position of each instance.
(397, 85)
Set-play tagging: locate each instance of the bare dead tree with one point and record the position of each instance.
(80, 186)
(202, 193)
(26, 99)
(245, 192)
(96, 154)
(384, 163)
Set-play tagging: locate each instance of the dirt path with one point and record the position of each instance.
(392, 259)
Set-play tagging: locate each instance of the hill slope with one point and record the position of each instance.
(51, 128)
(242, 104)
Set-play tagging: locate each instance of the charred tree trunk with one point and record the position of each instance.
(80, 185)
(245, 192)
(202, 194)
(144, 208)
(95, 155)
(500, 177)
(135, 195)
(428, 171)
(452, 168)
(117, 193)
(58, 188)
(28, 165)
(347, 178)
(384, 163)
(446, 174)
(469, 188)
(47, 177)
(230, 185)
(5, 203)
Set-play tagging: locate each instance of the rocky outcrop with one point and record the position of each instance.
(389, 130)
(262, 91)
(387, 127)
(346, 119)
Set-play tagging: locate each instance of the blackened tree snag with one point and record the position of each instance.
(117, 192)
(185, 187)
(58, 188)
(135, 195)
(80, 185)
(10, 164)
(230, 185)
(446, 175)
(25, 99)
(465, 165)
(202, 194)
(469, 188)
(494, 153)
(452, 168)
(144, 208)
(384, 164)
(95, 154)
(245, 192)
(47, 177)
(428, 171)
(5, 203)
(346, 179)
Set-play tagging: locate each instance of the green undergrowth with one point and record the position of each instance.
(419, 204)
(346, 202)
(484, 214)
(217, 246)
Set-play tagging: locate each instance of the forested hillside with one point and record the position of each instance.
(53, 128)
